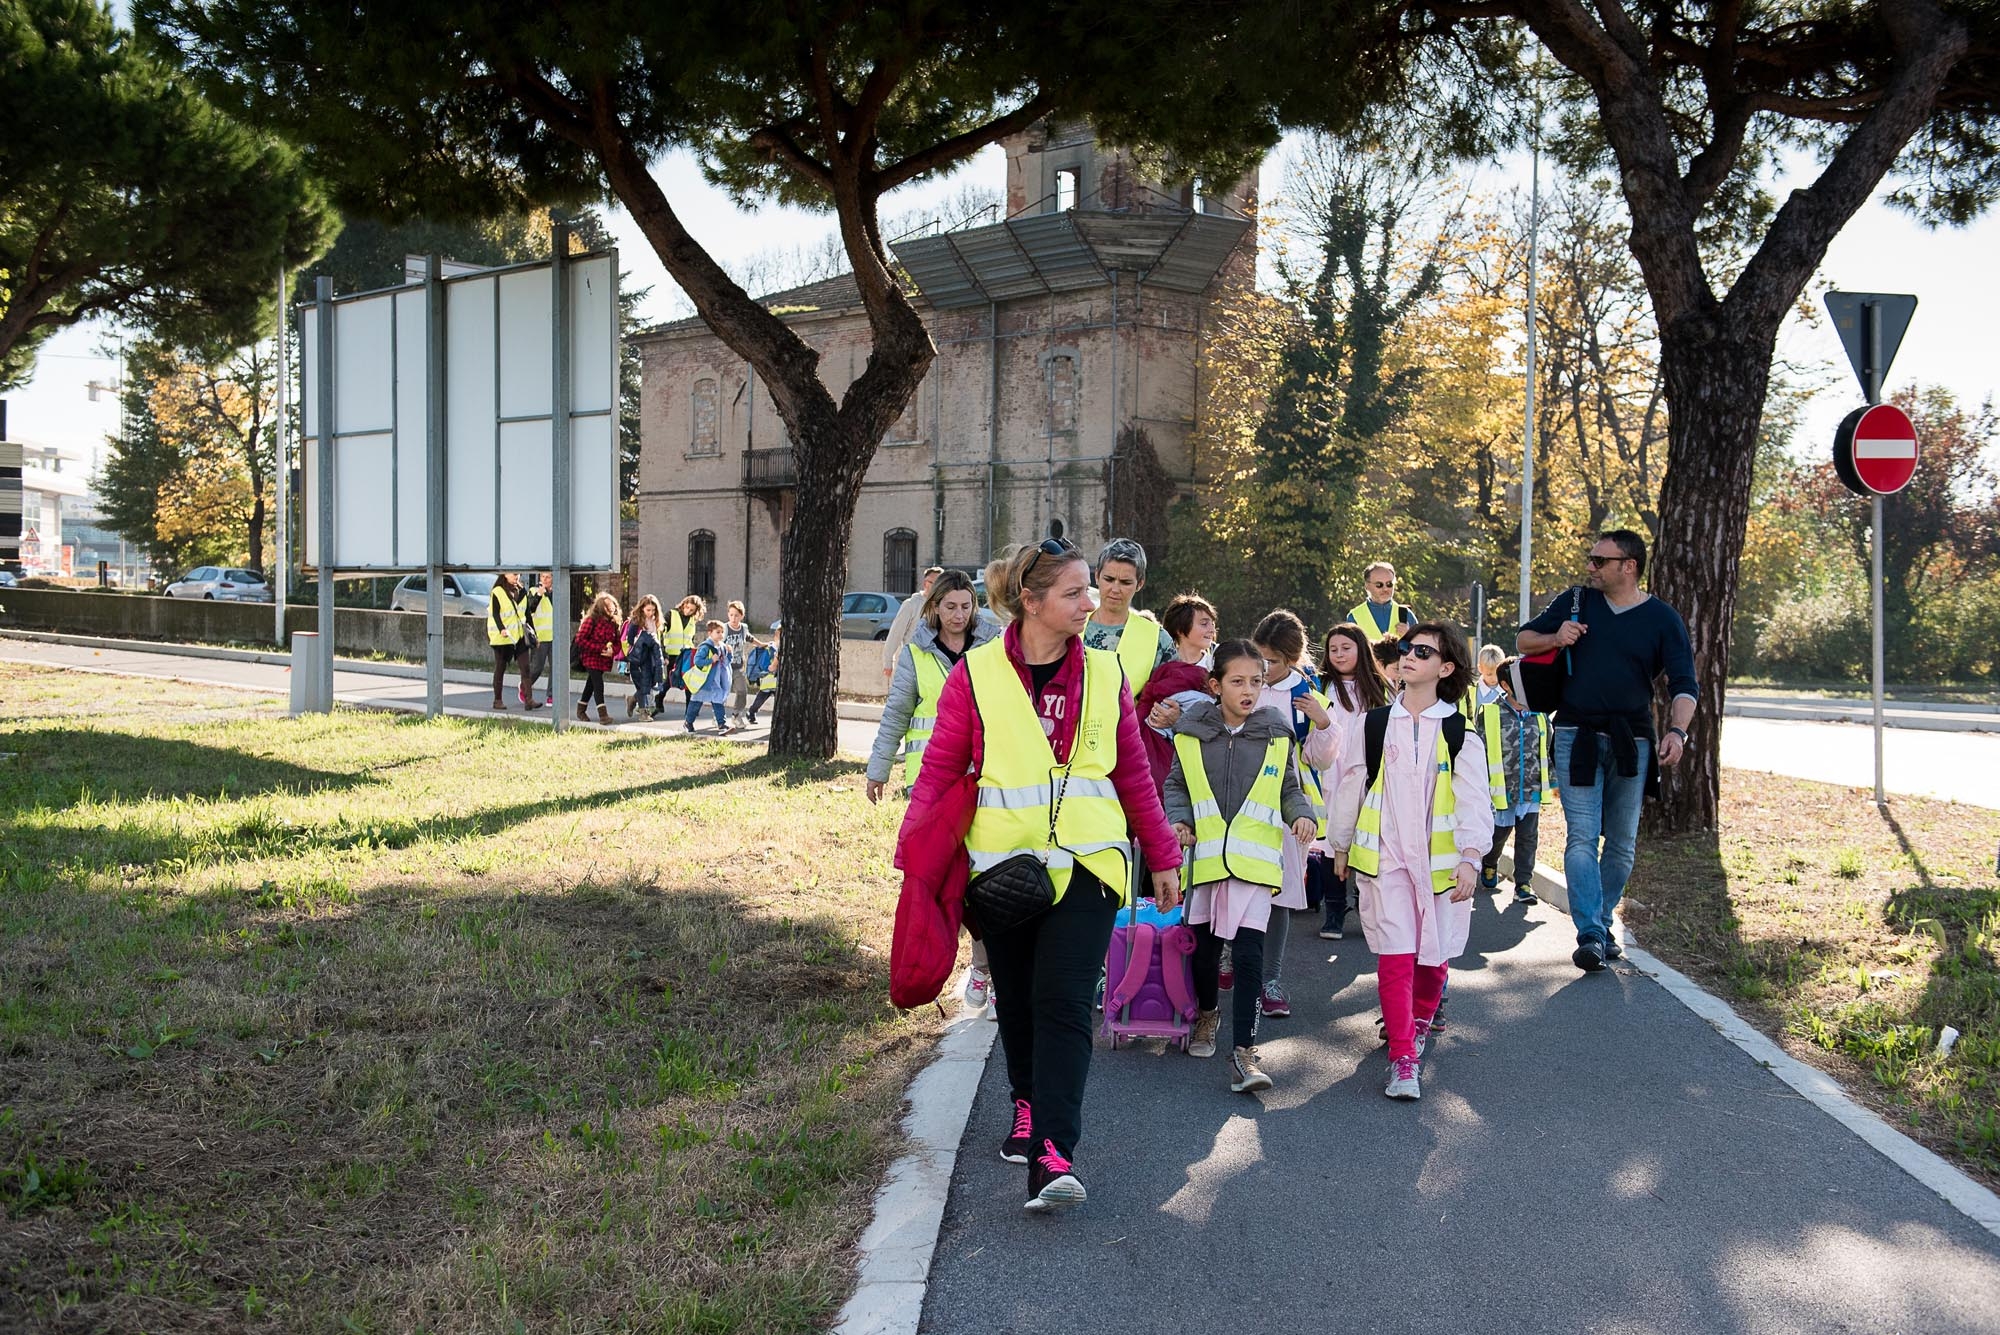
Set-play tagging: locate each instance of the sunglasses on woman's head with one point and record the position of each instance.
(1424, 652)
(1047, 547)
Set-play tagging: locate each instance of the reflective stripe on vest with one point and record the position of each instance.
(1365, 856)
(1139, 653)
(1250, 846)
(1548, 775)
(1019, 775)
(1309, 778)
(1365, 619)
(923, 720)
(678, 635)
(508, 631)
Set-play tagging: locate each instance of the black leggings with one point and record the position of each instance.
(1044, 975)
(1247, 950)
(593, 688)
(503, 658)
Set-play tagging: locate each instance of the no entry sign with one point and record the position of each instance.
(1875, 450)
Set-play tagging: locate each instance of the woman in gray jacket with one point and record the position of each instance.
(948, 627)
(1233, 798)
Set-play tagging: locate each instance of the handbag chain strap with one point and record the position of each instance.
(1076, 737)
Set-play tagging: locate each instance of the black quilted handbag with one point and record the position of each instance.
(1010, 894)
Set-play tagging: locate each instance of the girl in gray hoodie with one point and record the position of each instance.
(1233, 797)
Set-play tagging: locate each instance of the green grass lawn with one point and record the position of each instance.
(1850, 935)
(358, 1022)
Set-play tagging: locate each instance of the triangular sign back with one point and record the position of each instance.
(1846, 308)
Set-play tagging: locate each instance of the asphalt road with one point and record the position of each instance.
(1588, 1156)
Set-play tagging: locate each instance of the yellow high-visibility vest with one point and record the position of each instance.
(1019, 777)
(695, 675)
(1365, 856)
(503, 617)
(677, 636)
(1496, 767)
(544, 619)
(1250, 845)
(923, 721)
(1139, 653)
(1365, 619)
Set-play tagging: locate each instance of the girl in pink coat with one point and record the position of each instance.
(1414, 930)
(1292, 690)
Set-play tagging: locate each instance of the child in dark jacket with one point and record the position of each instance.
(644, 659)
(1234, 797)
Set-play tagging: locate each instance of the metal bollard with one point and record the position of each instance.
(310, 695)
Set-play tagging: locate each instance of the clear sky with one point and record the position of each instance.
(1955, 274)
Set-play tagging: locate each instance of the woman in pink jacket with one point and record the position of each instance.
(1045, 970)
(1414, 927)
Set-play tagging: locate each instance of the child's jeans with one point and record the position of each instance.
(1247, 950)
(694, 709)
(1409, 992)
(646, 685)
(763, 697)
(1527, 840)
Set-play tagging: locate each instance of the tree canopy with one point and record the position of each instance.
(123, 193)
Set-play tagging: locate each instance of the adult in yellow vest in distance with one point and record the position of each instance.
(1046, 729)
(1379, 614)
(542, 622)
(681, 631)
(506, 627)
(947, 627)
(1135, 636)
(1415, 831)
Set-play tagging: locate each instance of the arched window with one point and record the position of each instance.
(899, 561)
(701, 564)
(702, 412)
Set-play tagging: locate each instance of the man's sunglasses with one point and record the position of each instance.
(1596, 562)
(1424, 652)
(1047, 547)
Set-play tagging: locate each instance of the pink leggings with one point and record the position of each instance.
(1410, 992)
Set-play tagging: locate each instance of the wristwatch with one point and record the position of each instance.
(1681, 733)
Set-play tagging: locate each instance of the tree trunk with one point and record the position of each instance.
(1716, 380)
(813, 575)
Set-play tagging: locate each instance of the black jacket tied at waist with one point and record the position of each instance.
(1625, 733)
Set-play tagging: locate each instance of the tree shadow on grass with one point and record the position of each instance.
(438, 1100)
(56, 767)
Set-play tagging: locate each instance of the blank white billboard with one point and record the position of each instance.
(497, 449)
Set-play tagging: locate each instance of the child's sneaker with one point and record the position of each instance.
(1248, 1076)
(1052, 1181)
(1403, 1079)
(978, 989)
(1437, 1016)
(1098, 1000)
(1423, 1037)
(1201, 1043)
(1524, 895)
(1273, 1002)
(1014, 1149)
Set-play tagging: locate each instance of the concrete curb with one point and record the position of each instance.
(1959, 1191)
(847, 709)
(896, 1247)
(1905, 717)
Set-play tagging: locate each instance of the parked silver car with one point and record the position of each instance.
(221, 584)
(868, 616)
(464, 595)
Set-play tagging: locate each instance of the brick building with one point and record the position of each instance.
(1062, 397)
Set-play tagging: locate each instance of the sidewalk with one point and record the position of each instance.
(1588, 1155)
(373, 686)
(1919, 715)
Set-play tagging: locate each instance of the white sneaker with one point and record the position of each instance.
(1403, 1079)
(978, 989)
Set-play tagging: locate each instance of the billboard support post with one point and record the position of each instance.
(281, 478)
(559, 440)
(323, 467)
(434, 490)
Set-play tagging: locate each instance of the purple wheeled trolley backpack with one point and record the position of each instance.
(1149, 976)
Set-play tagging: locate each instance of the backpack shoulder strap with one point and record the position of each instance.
(1454, 734)
(1374, 731)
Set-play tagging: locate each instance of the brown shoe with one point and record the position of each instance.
(603, 714)
(583, 714)
(631, 703)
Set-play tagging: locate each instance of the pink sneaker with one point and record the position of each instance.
(1014, 1149)
(1403, 1079)
(1273, 1002)
(1052, 1181)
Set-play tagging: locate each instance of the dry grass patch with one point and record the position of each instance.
(1851, 935)
(365, 1023)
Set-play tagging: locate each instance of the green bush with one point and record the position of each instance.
(1817, 636)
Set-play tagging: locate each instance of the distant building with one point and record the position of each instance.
(1061, 400)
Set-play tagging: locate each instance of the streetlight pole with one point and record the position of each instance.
(1528, 399)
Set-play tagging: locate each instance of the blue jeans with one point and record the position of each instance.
(1606, 810)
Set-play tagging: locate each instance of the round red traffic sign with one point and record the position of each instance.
(1875, 450)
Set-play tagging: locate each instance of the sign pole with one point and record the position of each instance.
(434, 408)
(1528, 407)
(323, 470)
(280, 550)
(560, 483)
(1871, 358)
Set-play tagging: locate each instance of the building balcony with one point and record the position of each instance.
(769, 470)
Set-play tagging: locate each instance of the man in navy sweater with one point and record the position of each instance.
(1622, 640)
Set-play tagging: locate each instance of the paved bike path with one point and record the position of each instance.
(1588, 1156)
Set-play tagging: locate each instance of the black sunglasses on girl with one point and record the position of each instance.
(1424, 652)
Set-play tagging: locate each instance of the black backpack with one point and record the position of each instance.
(1540, 679)
(1375, 730)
